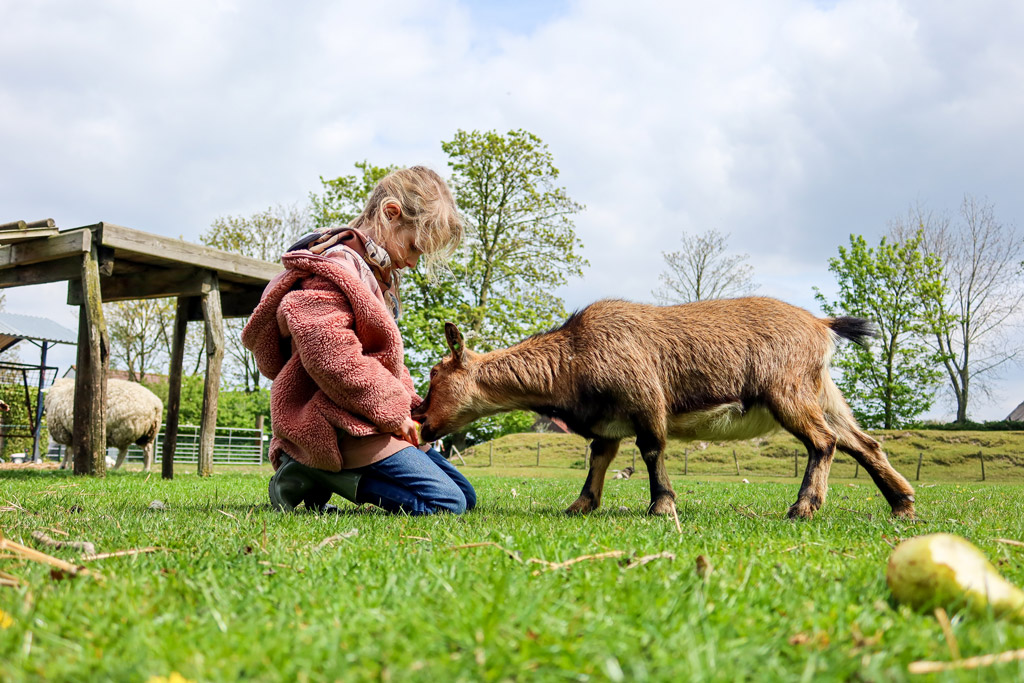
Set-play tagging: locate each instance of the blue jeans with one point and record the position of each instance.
(416, 483)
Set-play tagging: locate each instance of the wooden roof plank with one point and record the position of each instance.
(47, 249)
(166, 249)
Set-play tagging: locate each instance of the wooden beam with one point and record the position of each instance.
(233, 304)
(12, 236)
(211, 382)
(67, 268)
(144, 244)
(156, 283)
(174, 387)
(89, 434)
(64, 244)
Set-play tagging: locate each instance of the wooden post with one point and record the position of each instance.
(796, 454)
(490, 454)
(920, 456)
(686, 461)
(174, 387)
(634, 458)
(538, 452)
(211, 385)
(981, 457)
(856, 469)
(89, 434)
(736, 461)
(259, 425)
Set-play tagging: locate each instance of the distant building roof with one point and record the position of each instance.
(14, 328)
(1017, 415)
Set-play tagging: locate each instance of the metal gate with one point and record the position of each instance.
(231, 446)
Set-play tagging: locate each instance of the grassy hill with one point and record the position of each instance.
(945, 456)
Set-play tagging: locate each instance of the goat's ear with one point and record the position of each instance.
(455, 342)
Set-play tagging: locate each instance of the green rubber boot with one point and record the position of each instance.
(295, 483)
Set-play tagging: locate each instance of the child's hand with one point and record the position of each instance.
(409, 431)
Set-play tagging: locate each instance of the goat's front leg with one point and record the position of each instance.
(121, 453)
(652, 449)
(602, 452)
(148, 455)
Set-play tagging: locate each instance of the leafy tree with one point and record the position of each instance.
(140, 335)
(703, 270)
(891, 383)
(520, 241)
(263, 235)
(971, 318)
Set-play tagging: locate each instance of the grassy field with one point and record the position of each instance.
(944, 456)
(238, 592)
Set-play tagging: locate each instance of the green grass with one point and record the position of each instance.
(243, 593)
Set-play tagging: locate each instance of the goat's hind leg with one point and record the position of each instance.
(602, 452)
(868, 453)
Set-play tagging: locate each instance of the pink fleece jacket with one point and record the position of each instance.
(336, 358)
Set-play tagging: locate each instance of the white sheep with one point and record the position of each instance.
(133, 416)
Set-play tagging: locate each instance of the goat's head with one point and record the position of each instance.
(454, 399)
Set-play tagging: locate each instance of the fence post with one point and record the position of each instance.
(920, 456)
(796, 454)
(735, 460)
(259, 426)
(538, 452)
(981, 457)
(634, 458)
(686, 461)
(490, 455)
(856, 469)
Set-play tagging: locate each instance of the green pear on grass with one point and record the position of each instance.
(943, 570)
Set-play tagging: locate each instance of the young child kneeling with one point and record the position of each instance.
(325, 333)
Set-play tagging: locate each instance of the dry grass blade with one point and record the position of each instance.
(122, 553)
(947, 631)
(551, 566)
(641, 561)
(488, 544)
(228, 514)
(34, 555)
(745, 513)
(1010, 541)
(85, 546)
(337, 537)
(924, 667)
(9, 580)
(675, 516)
(419, 538)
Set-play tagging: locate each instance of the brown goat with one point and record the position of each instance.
(711, 370)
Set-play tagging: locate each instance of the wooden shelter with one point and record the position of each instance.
(106, 262)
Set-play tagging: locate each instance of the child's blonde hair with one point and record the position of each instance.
(428, 209)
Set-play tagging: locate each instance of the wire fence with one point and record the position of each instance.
(973, 458)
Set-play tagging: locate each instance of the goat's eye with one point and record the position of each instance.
(433, 372)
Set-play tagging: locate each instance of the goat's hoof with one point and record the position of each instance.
(801, 509)
(582, 506)
(904, 510)
(663, 507)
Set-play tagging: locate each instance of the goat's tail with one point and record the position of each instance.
(856, 330)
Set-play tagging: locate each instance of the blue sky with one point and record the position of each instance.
(788, 124)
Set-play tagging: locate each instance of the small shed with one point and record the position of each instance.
(43, 333)
(106, 262)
